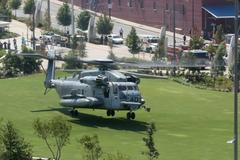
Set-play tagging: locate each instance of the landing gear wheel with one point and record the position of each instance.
(72, 112)
(75, 112)
(112, 112)
(109, 113)
(133, 115)
(129, 115)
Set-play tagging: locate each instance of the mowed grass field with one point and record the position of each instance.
(192, 124)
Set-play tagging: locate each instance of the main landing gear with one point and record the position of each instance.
(110, 113)
(74, 112)
(131, 115)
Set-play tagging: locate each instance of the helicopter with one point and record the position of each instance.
(101, 88)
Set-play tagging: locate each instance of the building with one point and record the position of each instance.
(190, 15)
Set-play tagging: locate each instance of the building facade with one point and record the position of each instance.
(189, 14)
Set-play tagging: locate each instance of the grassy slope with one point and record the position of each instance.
(191, 123)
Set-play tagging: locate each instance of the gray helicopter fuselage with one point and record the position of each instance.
(98, 89)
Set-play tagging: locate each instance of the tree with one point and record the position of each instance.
(133, 42)
(47, 21)
(15, 4)
(5, 11)
(111, 55)
(70, 62)
(64, 15)
(152, 152)
(196, 42)
(91, 146)
(78, 51)
(83, 20)
(82, 49)
(211, 50)
(15, 146)
(12, 65)
(29, 7)
(104, 25)
(219, 35)
(55, 133)
(218, 65)
(160, 50)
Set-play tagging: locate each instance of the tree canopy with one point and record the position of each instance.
(15, 4)
(196, 42)
(91, 147)
(15, 146)
(29, 7)
(104, 25)
(55, 133)
(83, 20)
(64, 15)
(219, 35)
(133, 42)
(218, 65)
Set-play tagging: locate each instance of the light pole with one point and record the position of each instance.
(174, 34)
(49, 15)
(73, 26)
(33, 26)
(109, 8)
(236, 82)
(193, 23)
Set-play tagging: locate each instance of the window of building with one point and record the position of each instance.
(167, 6)
(130, 3)
(154, 6)
(119, 2)
(141, 3)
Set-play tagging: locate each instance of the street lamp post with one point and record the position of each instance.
(33, 27)
(236, 82)
(109, 8)
(193, 23)
(49, 15)
(174, 34)
(73, 22)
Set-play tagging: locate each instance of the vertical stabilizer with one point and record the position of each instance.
(50, 70)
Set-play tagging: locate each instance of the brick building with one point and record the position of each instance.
(189, 13)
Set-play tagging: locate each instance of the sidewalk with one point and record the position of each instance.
(93, 51)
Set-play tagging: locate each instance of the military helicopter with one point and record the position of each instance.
(101, 88)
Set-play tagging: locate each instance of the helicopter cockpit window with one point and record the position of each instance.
(115, 89)
(135, 87)
(122, 88)
(130, 88)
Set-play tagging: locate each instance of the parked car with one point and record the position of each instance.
(116, 39)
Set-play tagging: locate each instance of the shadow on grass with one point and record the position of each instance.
(95, 121)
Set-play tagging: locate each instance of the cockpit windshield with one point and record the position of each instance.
(122, 88)
(127, 87)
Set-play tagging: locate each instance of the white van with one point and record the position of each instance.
(199, 57)
(149, 42)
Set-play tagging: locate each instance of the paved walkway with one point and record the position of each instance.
(93, 51)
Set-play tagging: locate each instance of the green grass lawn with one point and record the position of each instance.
(192, 124)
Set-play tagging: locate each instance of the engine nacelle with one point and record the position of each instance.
(101, 80)
(80, 102)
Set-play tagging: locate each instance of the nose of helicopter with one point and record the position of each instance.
(131, 96)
